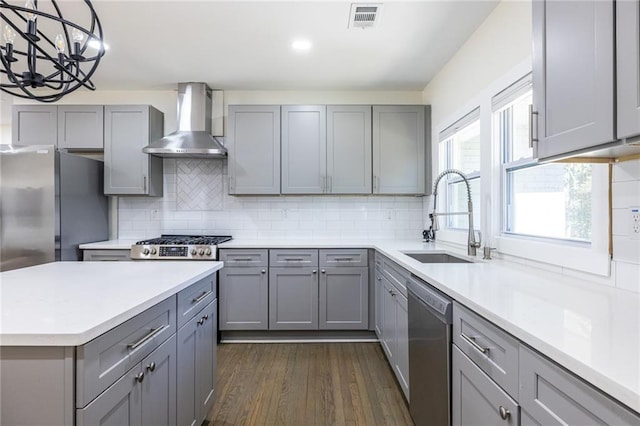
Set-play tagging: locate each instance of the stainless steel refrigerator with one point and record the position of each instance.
(50, 202)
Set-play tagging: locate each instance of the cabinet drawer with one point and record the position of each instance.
(195, 297)
(293, 257)
(475, 398)
(378, 259)
(397, 275)
(491, 348)
(106, 358)
(552, 396)
(244, 257)
(346, 257)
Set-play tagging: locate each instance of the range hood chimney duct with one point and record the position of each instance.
(193, 138)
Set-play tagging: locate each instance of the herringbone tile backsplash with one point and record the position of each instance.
(199, 185)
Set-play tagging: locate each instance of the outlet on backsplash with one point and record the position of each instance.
(635, 222)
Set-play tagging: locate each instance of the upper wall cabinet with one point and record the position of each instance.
(127, 170)
(348, 149)
(400, 141)
(304, 149)
(67, 126)
(254, 149)
(628, 67)
(573, 75)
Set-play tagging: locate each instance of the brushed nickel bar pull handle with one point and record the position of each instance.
(145, 183)
(202, 296)
(531, 114)
(343, 259)
(293, 259)
(472, 342)
(150, 335)
(242, 259)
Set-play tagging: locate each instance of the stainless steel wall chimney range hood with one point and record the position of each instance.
(193, 138)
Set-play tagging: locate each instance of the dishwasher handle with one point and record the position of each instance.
(431, 299)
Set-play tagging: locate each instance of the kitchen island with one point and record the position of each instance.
(82, 342)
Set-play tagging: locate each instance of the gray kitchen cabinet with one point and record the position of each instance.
(402, 343)
(379, 303)
(293, 298)
(475, 398)
(304, 149)
(127, 129)
(81, 127)
(573, 75)
(244, 298)
(196, 357)
(388, 320)
(145, 395)
(549, 395)
(34, 125)
(628, 67)
(93, 255)
(348, 149)
(344, 301)
(400, 148)
(253, 144)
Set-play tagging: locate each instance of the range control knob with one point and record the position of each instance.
(145, 251)
(153, 250)
(208, 252)
(193, 252)
(201, 252)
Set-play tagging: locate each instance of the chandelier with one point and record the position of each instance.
(45, 56)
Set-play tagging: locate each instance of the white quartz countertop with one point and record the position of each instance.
(591, 329)
(109, 245)
(71, 303)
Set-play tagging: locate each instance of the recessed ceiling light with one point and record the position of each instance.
(301, 45)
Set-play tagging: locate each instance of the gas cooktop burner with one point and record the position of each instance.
(193, 240)
(179, 247)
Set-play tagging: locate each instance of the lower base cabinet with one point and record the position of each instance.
(293, 298)
(196, 361)
(475, 398)
(244, 298)
(344, 298)
(145, 395)
(395, 332)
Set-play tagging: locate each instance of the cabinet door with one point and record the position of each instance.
(206, 342)
(402, 343)
(159, 385)
(81, 126)
(34, 125)
(389, 320)
(244, 299)
(293, 298)
(128, 171)
(379, 295)
(344, 298)
(304, 145)
(254, 149)
(552, 396)
(475, 398)
(349, 149)
(628, 67)
(573, 74)
(187, 413)
(119, 405)
(399, 156)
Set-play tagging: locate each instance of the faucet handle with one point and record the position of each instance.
(487, 252)
(478, 242)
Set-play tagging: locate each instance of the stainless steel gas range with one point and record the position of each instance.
(178, 247)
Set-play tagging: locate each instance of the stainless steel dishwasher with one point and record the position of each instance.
(430, 322)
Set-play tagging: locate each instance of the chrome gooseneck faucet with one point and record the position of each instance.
(472, 243)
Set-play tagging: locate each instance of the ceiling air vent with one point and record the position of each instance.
(364, 15)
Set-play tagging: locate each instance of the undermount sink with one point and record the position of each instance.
(437, 258)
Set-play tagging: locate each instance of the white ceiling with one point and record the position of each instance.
(240, 45)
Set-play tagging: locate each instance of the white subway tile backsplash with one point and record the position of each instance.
(626, 194)
(628, 276)
(626, 170)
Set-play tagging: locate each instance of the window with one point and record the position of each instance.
(539, 200)
(460, 150)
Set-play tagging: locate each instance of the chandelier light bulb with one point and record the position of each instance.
(60, 44)
(31, 6)
(9, 35)
(77, 35)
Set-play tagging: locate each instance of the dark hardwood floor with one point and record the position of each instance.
(306, 384)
